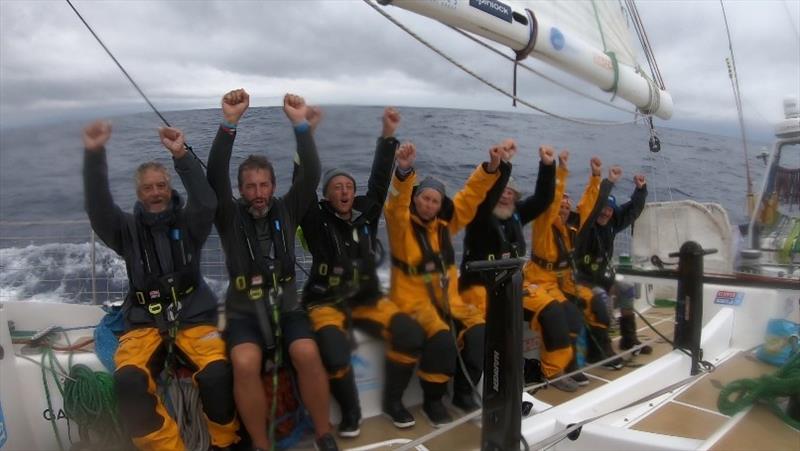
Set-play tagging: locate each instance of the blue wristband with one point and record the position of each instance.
(228, 125)
(302, 127)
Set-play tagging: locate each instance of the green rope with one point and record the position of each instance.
(90, 401)
(742, 393)
(599, 26)
(49, 352)
(276, 318)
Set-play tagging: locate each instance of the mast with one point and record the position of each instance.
(731, 62)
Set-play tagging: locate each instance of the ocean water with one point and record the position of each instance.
(46, 248)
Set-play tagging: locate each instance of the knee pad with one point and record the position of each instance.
(334, 348)
(555, 329)
(407, 336)
(137, 407)
(215, 383)
(439, 354)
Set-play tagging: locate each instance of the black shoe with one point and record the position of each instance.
(580, 379)
(326, 443)
(436, 413)
(349, 426)
(624, 345)
(615, 364)
(465, 402)
(399, 415)
(532, 372)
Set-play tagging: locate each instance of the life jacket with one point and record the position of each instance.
(432, 261)
(505, 239)
(511, 238)
(593, 258)
(158, 292)
(565, 259)
(343, 271)
(254, 273)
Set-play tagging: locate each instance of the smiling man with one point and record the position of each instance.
(169, 310)
(265, 319)
(343, 288)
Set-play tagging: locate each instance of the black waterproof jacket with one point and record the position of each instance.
(231, 218)
(176, 236)
(489, 237)
(346, 252)
(595, 244)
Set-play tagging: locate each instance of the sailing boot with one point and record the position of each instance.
(396, 381)
(599, 337)
(344, 391)
(627, 329)
(432, 406)
(463, 396)
(532, 371)
(579, 377)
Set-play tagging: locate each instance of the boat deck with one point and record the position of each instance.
(661, 318)
(380, 434)
(692, 413)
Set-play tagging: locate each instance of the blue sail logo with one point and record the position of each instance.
(556, 38)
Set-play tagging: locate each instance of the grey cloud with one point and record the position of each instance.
(188, 53)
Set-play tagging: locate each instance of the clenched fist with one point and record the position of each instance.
(96, 135)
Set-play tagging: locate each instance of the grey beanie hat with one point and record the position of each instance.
(512, 185)
(431, 183)
(334, 172)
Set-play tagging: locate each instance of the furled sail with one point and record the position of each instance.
(589, 39)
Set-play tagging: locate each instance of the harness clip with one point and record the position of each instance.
(255, 294)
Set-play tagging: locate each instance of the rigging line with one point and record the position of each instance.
(540, 74)
(671, 198)
(483, 80)
(130, 79)
(737, 95)
(789, 16)
(645, 41)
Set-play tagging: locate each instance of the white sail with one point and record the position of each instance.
(588, 39)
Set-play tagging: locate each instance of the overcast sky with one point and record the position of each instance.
(186, 54)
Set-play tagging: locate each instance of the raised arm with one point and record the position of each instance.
(234, 104)
(542, 197)
(303, 191)
(629, 211)
(509, 147)
(592, 191)
(551, 213)
(107, 218)
(467, 200)
(381, 174)
(201, 202)
(397, 210)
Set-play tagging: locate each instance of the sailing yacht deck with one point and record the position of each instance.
(689, 412)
